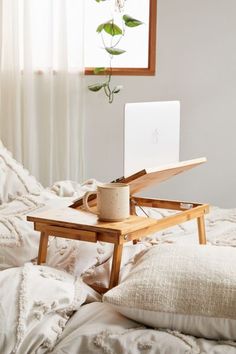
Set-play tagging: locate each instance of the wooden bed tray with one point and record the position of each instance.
(80, 225)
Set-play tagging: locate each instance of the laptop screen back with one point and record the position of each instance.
(151, 135)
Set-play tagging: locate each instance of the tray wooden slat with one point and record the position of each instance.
(149, 177)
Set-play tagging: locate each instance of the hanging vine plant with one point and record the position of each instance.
(111, 45)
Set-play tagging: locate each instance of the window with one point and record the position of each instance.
(139, 42)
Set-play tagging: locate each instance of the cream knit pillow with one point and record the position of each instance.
(189, 288)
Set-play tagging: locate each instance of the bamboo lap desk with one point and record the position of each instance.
(79, 225)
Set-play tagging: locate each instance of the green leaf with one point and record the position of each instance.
(100, 28)
(95, 87)
(114, 51)
(99, 70)
(131, 22)
(111, 28)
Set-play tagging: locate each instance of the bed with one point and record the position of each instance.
(53, 308)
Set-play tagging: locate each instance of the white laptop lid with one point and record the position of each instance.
(151, 135)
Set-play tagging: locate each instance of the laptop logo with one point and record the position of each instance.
(155, 136)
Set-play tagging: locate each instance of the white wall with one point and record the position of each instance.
(196, 64)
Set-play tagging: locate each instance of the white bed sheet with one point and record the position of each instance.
(97, 328)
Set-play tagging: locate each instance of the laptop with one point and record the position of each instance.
(151, 135)
(151, 145)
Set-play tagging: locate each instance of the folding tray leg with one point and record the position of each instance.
(43, 245)
(115, 269)
(201, 230)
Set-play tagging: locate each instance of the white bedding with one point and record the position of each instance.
(14, 179)
(95, 328)
(98, 329)
(35, 305)
(18, 240)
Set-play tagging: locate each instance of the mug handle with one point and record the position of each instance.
(85, 201)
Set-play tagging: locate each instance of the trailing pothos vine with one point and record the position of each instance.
(112, 47)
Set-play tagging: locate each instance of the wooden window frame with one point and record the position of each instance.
(151, 69)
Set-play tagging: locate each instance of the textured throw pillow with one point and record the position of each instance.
(14, 179)
(191, 289)
(35, 305)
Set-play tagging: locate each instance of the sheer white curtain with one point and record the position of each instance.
(41, 103)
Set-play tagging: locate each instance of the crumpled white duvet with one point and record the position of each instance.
(35, 305)
(98, 329)
(94, 328)
(18, 240)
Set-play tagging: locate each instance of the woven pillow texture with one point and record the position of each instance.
(188, 288)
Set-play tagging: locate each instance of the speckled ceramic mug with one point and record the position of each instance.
(112, 202)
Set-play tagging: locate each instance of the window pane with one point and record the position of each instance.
(135, 41)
